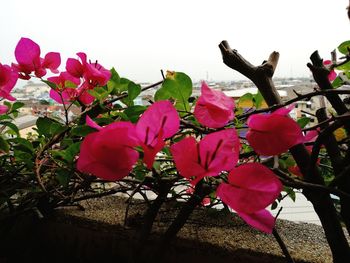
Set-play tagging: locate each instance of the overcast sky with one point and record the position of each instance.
(140, 37)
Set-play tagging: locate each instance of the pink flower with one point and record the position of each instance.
(3, 109)
(274, 133)
(27, 54)
(65, 96)
(109, 153)
(83, 95)
(92, 124)
(213, 108)
(159, 122)
(215, 153)
(332, 74)
(8, 79)
(250, 189)
(94, 74)
(64, 93)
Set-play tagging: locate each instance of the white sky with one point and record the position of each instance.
(140, 37)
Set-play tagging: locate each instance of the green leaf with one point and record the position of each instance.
(344, 67)
(43, 125)
(104, 121)
(116, 84)
(100, 93)
(290, 192)
(96, 92)
(178, 86)
(246, 97)
(50, 84)
(63, 177)
(122, 116)
(337, 82)
(258, 100)
(22, 144)
(4, 146)
(82, 130)
(133, 91)
(5, 117)
(8, 104)
(274, 205)
(140, 172)
(282, 164)
(290, 161)
(24, 157)
(303, 122)
(73, 150)
(66, 142)
(134, 112)
(68, 154)
(114, 80)
(70, 84)
(162, 94)
(343, 47)
(57, 128)
(17, 105)
(11, 126)
(183, 107)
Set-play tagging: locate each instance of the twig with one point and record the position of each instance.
(280, 240)
(306, 96)
(282, 245)
(38, 163)
(126, 94)
(288, 181)
(320, 74)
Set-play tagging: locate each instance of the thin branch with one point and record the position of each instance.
(306, 96)
(289, 181)
(282, 246)
(126, 94)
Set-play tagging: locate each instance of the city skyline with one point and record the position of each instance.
(139, 38)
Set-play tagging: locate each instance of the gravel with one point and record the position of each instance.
(209, 228)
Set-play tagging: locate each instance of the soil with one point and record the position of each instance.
(99, 234)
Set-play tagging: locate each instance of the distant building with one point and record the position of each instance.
(238, 93)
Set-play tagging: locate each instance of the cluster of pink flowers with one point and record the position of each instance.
(83, 75)
(27, 54)
(70, 85)
(112, 151)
